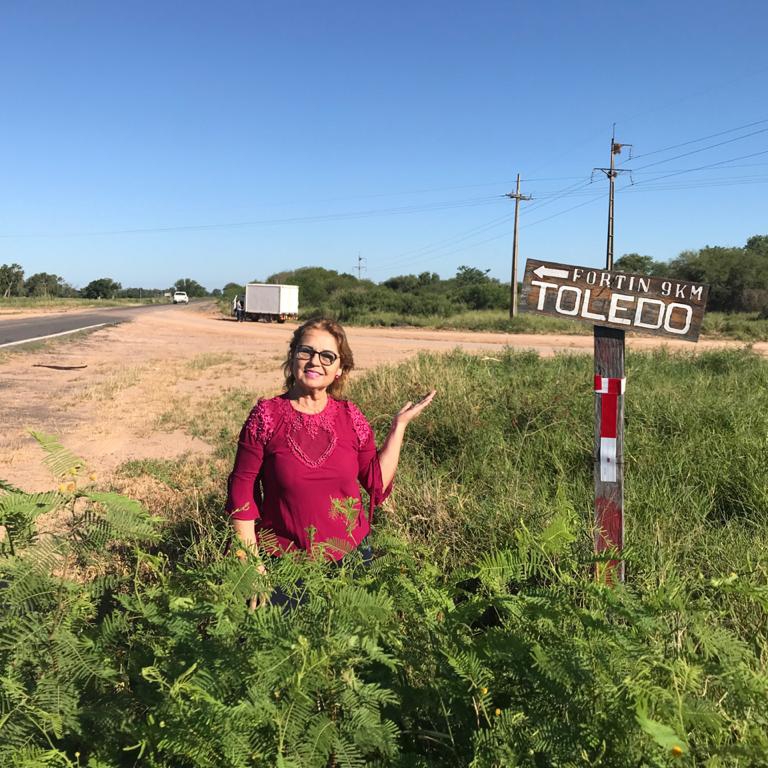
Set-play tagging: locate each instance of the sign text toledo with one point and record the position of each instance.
(655, 305)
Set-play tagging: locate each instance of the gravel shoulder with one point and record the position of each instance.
(121, 393)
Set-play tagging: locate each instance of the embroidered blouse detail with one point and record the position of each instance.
(312, 436)
(362, 428)
(261, 421)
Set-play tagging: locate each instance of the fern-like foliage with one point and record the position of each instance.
(113, 655)
(18, 512)
(60, 460)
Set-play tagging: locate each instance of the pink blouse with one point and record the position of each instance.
(297, 475)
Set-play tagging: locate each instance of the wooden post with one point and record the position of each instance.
(513, 284)
(609, 449)
(517, 197)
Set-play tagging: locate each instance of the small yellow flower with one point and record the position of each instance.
(67, 487)
(497, 712)
(677, 751)
(484, 691)
(92, 477)
(240, 554)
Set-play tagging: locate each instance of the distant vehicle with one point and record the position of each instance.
(269, 301)
(180, 297)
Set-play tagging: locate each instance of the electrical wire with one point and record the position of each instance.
(446, 205)
(699, 168)
(701, 149)
(695, 141)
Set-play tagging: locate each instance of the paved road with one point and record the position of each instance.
(21, 331)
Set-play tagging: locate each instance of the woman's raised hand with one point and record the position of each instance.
(411, 410)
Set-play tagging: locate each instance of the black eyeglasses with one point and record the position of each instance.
(326, 357)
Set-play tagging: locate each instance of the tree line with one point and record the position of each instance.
(47, 285)
(737, 276)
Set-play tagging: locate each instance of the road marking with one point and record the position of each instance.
(51, 335)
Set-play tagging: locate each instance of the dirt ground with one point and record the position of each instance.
(111, 396)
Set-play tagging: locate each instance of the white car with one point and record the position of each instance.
(180, 297)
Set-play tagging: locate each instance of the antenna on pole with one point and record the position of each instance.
(612, 172)
(362, 263)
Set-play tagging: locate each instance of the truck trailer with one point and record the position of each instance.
(269, 301)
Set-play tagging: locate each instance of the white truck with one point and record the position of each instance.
(269, 301)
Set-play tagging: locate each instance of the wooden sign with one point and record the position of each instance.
(657, 305)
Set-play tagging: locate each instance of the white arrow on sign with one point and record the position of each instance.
(543, 271)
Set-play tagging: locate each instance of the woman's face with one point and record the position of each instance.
(314, 375)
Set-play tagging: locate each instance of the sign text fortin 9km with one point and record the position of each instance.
(657, 305)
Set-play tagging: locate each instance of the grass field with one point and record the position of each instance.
(478, 638)
(49, 303)
(742, 326)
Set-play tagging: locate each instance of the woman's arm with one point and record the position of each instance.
(246, 532)
(241, 502)
(389, 454)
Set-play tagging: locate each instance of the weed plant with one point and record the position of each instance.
(477, 638)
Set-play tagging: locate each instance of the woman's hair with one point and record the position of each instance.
(336, 389)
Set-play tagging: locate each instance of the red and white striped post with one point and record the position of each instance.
(609, 450)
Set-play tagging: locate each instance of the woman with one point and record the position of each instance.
(303, 455)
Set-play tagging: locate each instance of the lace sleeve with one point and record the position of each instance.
(242, 498)
(261, 421)
(360, 424)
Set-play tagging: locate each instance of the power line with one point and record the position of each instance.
(701, 167)
(317, 218)
(703, 149)
(567, 210)
(702, 138)
(727, 181)
(567, 192)
(418, 253)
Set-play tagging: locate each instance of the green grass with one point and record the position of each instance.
(741, 326)
(478, 320)
(505, 436)
(50, 302)
(509, 435)
(744, 326)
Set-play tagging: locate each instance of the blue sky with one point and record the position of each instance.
(149, 141)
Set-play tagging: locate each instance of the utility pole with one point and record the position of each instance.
(517, 197)
(612, 172)
(360, 265)
(610, 384)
